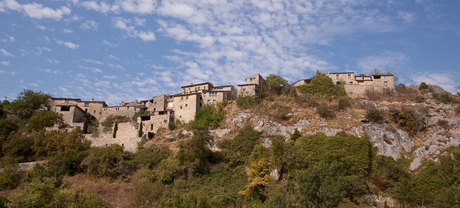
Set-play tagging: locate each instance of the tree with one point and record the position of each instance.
(325, 185)
(140, 130)
(27, 102)
(322, 87)
(276, 83)
(42, 119)
(375, 71)
(194, 154)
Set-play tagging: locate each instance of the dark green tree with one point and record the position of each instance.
(42, 119)
(27, 102)
(140, 133)
(322, 87)
(194, 154)
(276, 83)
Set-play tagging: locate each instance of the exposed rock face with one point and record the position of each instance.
(389, 140)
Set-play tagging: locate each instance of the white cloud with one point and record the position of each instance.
(443, 80)
(91, 68)
(176, 9)
(93, 61)
(113, 57)
(67, 31)
(105, 42)
(102, 7)
(407, 17)
(5, 63)
(10, 38)
(41, 49)
(89, 24)
(156, 67)
(123, 24)
(137, 6)
(116, 66)
(53, 71)
(382, 62)
(70, 45)
(37, 11)
(33, 84)
(6, 53)
(53, 61)
(110, 77)
(41, 27)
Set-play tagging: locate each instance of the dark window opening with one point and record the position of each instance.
(145, 118)
(376, 77)
(94, 111)
(151, 127)
(86, 104)
(162, 113)
(65, 108)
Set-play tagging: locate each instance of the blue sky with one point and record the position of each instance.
(124, 50)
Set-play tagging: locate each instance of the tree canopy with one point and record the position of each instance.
(27, 102)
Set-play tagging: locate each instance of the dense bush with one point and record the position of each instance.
(322, 87)
(10, 175)
(42, 119)
(344, 102)
(444, 98)
(243, 143)
(405, 119)
(171, 125)
(423, 86)
(151, 156)
(276, 84)
(325, 111)
(375, 115)
(108, 161)
(140, 113)
(195, 155)
(247, 102)
(209, 116)
(457, 109)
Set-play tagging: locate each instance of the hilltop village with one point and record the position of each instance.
(160, 110)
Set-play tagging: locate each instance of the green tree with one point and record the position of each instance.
(27, 102)
(42, 119)
(194, 154)
(322, 87)
(140, 133)
(325, 185)
(151, 156)
(276, 83)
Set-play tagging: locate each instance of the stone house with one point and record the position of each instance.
(254, 84)
(159, 119)
(360, 84)
(76, 107)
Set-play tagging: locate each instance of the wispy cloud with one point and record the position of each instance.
(443, 80)
(70, 45)
(124, 24)
(5, 53)
(89, 24)
(5, 63)
(94, 69)
(93, 61)
(35, 10)
(68, 31)
(382, 61)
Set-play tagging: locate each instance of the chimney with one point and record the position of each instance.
(229, 83)
(329, 71)
(92, 99)
(135, 101)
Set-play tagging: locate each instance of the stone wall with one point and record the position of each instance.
(185, 106)
(92, 107)
(247, 90)
(127, 136)
(156, 121)
(157, 103)
(119, 111)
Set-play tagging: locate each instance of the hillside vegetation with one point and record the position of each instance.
(256, 164)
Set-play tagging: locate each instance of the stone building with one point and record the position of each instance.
(254, 84)
(76, 107)
(360, 84)
(195, 96)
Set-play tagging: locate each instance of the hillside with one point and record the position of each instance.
(396, 149)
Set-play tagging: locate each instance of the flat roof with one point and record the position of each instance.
(196, 84)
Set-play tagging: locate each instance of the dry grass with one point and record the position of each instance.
(116, 193)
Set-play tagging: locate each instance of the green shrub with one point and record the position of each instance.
(444, 98)
(151, 156)
(423, 86)
(375, 115)
(42, 119)
(115, 129)
(140, 113)
(344, 102)
(140, 132)
(108, 161)
(167, 178)
(322, 87)
(247, 102)
(243, 144)
(10, 175)
(457, 109)
(325, 111)
(171, 126)
(405, 119)
(209, 116)
(372, 95)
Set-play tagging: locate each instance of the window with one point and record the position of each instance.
(186, 97)
(94, 111)
(204, 94)
(214, 102)
(201, 104)
(186, 105)
(151, 127)
(337, 76)
(181, 98)
(63, 101)
(198, 88)
(86, 104)
(180, 107)
(351, 83)
(386, 83)
(180, 116)
(349, 76)
(154, 109)
(209, 101)
(204, 87)
(65, 108)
